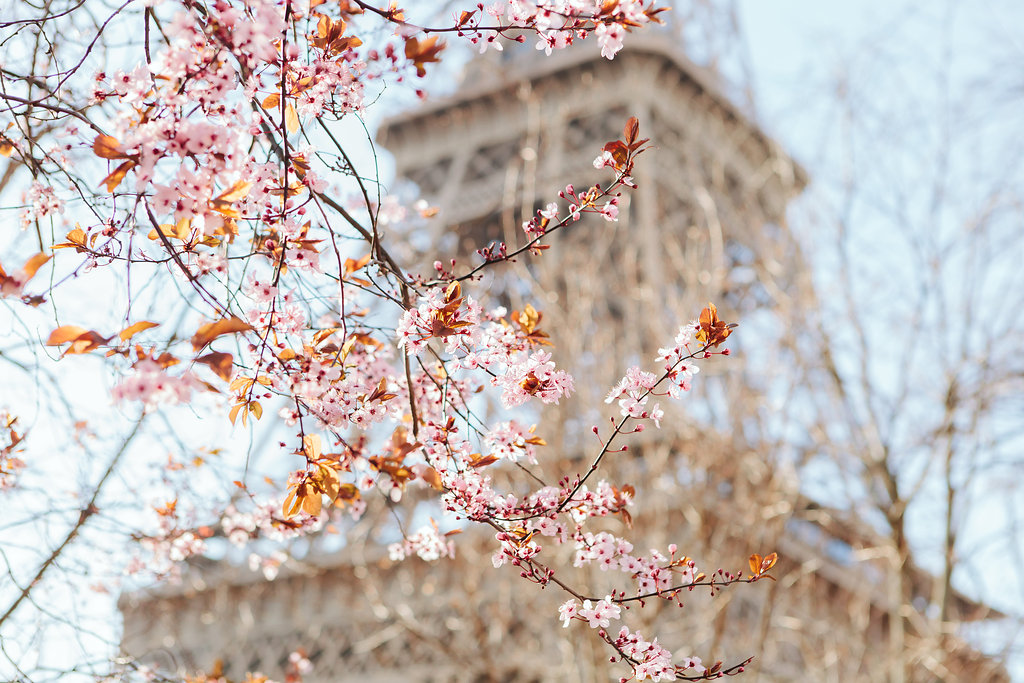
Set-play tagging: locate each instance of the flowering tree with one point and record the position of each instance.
(190, 180)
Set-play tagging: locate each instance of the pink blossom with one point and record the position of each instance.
(269, 565)
(652, 660)
(151, 385)
(43, 202)
(534, 376)
(427, 543)
(610, 211)
(567, 611)
(598, 615)
(605, 159)
(610, 36)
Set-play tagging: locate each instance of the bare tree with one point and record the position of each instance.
(909, 344)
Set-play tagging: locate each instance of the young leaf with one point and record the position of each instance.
(430, 475)
(220, 363)
(271, 101)
(311, 446)
(234, 193)
(76, 239)
(483, 460)
(632, 130)
(107, 147)
(210, 331)
(82, 340)
(292, 504)
(65, 333)
(128, 332)
(422, 52)
(352, 265)
(713, 331)
(329, 482)
(34, 263)
(118, 174)
(312, 504)
(291, 119)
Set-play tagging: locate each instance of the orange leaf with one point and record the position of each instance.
(6, 146)
(311, 446)
(352, 265)
(323, 26)
(181, 230)
(619, 152)
(329, 482)
(225, 209)
(34, 263)
(128, 332)
(107, 147)
(632, 130)
(713, 331)
(312, 505)
(271, 101)
(483, 461)
(87, 342)
(431, 476)
(115, 178)
(65, 333)
(292, 504)
(242, 383)
(422, 52)
(237, 191)
(82, 340)
(453, 292)
(210, 331)
(291, 119)
(75, 240)
(220, 363)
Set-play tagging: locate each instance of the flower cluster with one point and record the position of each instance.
(42, 202)
(150, 384)
(440, 314)
(427, 543)
(677, 359)
(10, 444)
(597, 615)
(169, 546)
(632, 393)
(269, 565)
(557, 23)
(10, 466)
(534, 376)
(650, 660)
(485, 342)
(265, 522)
(205, 155)
(510, 441)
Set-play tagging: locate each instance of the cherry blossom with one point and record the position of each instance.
(301, 306)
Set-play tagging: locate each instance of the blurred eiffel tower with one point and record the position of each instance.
(706, 223)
